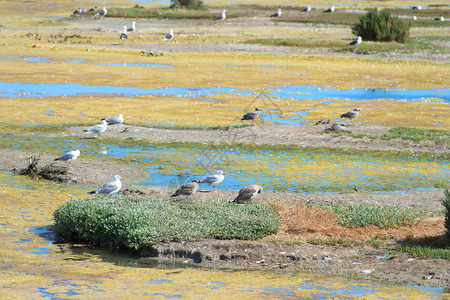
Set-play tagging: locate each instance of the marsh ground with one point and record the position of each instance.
(201, 56)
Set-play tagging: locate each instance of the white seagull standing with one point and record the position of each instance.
(222, 17)
(168, 36)
(102, 12)
(331, 9)
(124, 35)
(109, 187)
(187, 189)
(99, 128)
(415, 18)
(114, 120)
(355, 42)
(277, 14)
(214, 179)
(69, 156)
(248, 193)
(133, 27)
(307, 9)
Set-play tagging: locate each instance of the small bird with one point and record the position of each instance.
(68, 157)
(351, 114)
(248, 193)
(99, 128)
(307, 9)
(323, 122)
(251, 115)
(214, 179)
(133, 27)
(78, 11)
(355, 42)
(109, 187)
(124, 35)
(330, 10)
(102, 12)
(336, 127)
(187, 189)
(222, 17)
(168, 36)
(277, 14)
(355, 188)
(95, 8)
(114, 120)
(442, 19)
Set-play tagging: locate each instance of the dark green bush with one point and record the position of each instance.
(134, 222)
(186, 3)
(381, 27)
(446, 203)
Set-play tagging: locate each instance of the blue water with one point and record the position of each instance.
(293, 170)
(297, 92)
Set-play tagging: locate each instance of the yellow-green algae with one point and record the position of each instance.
(227, 110)
(278, 168)
(71, 273)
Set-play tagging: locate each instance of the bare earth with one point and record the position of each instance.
(285, 250)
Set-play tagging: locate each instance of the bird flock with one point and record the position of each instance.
(245, 194)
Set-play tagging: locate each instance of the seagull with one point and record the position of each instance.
(168, 36)
(277, 14)
(351, 114)
(214, 179)
(307, 9)
(133, 27)
(78, 11)
(222, 17)
(442, 19)
(415, 18)
(248, 193)
(99, 128)
(418, 7)
(330, 9)
(251, 115)
(124, 35)
(69, 156)
(355, 42)
(109, 187)
(101, 12)
(94, 9)
(336, 127)
(114, 120)
(187, 189)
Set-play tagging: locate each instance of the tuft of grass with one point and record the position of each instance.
(424, 252)
(161, 13)
(334, 242)
(134, 222)
(417, 135)
(381, 216)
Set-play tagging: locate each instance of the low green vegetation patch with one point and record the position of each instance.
(134, 222)
(138, 11)
(382, 216)
(417, 135)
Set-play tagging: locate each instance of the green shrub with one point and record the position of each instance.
(134, 222)
(381, 27)
(446, 203)
(186, 3)
(382, 216)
